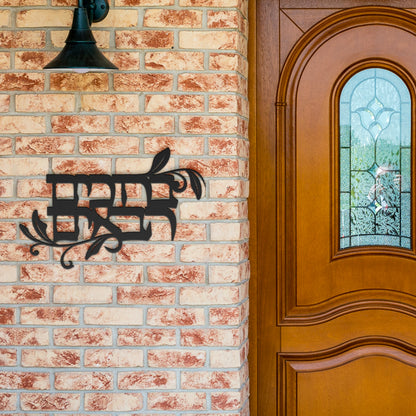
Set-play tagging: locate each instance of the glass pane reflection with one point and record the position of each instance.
(375, 119)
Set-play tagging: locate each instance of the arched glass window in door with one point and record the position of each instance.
(375, 160)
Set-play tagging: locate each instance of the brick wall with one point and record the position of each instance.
(159, 328)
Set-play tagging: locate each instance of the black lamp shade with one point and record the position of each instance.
(80, 53)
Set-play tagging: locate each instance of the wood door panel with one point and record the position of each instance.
(354, 325)
(336, 328)
(318, 279)
(368, 380)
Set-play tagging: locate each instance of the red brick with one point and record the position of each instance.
(76, 337)
(113, 274)
(208, 82)
(176, 358)
(17, 252)
(177, 145)
(36, 18)
(45, 103)
(208, 124)
(174, 103)
(210, 380)
(21, 166)
(213, 210)
(48, 273)
(211, 40)
(79, 82)
(113, 358)
(109, 145)
(49, 316)
(113, 316)
(143, 39)
(210, 337)
(64, 2)
(172, 18)
(139, 380)
(146, 337)
(83, 381)
(7, 231)
(145, 2)
(231, 188)
(143, 82)
(82, 294)
(24, 294)
(86, 166)
(220, 253)
(227, 61)
(32, 60)
(24, 380)
(225, 316)
(218, 295)
(22, 82)
(153, 295)
(32, 39)
(50, 401)
(184, 232)
(6, 188)
(110, 103)
(144, 124)
(6, 145)
(78, 253)
(45, 145)
(221, 146)
(24, 336)
(7, 316)
(51, 358)
(80, 124)
(147, 253)
(8, 401)
(213, 167)
(22, 124)
(139, 165)
(176, 401)
(8, 357)
(176, 274)
(228, 358)
(122, 402)
(210, 3)
(4, 108)
(226, 400)
(181, 61)
(125, 61)
(4, 60)
(175, 317)
(119, 18)
(20, 209)
(230, 103)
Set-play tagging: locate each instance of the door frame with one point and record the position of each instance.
(265, 210)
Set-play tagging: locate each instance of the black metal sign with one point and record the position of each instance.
(103, 228)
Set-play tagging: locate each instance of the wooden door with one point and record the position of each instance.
(337, 325)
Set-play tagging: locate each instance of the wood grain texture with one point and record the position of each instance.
(330, 313)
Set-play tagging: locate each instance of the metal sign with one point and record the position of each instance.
(103, 228)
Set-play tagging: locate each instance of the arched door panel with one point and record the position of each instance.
(337, 322)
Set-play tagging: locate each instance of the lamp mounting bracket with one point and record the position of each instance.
(97, 10)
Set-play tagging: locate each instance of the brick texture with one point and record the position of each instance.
(159, 328)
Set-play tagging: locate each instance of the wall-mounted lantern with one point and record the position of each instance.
(80, 53)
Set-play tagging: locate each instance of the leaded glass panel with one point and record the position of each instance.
(375, 165)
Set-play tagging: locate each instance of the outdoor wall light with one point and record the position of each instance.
(80, 53)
